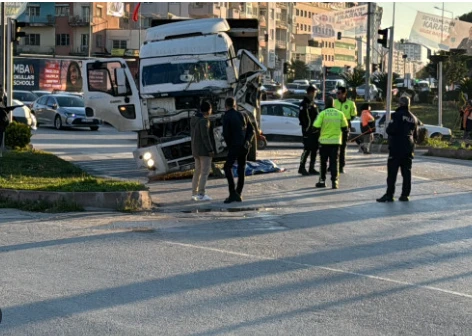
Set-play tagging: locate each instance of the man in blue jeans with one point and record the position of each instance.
(238, 133)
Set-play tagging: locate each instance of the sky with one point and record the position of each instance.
(405, 13)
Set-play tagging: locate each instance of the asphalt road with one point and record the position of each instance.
(289, 260)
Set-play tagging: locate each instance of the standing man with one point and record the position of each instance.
(402, 135)
(202, 151)
(307, 116)
(348, 108)
(333, 125)
(238, 133)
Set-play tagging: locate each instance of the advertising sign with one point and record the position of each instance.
(428, 28)
(14, 9)
(47, 74)
(350, 22)
(460, 36)
(116, 9)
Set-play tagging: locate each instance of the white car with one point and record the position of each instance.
(373, 91)
(297, 89)
(433, 131)
(23, 114)
(279, 118)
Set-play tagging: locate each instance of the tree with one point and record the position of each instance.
(423, 73)
(381, 80)
(354, 79)
(454, 69)
(466, 17)
(466, 87)
(299, 69)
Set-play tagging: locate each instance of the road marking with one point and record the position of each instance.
(336, 270)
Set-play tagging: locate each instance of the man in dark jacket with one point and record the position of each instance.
(307, 116)
(402, 135)
(202, 151)
(238, 133)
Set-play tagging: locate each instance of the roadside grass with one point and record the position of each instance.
(40, 171)
(454, 144)
(428, 114)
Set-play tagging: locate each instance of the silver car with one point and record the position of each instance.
(63, 110)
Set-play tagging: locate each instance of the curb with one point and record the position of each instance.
(138, 200)
(461, 154)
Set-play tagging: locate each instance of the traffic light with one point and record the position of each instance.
(327, 71)
(432, 70)
(340, 35)
(16, 34)
(286, 68)
(383, 37)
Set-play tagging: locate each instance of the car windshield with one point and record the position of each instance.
(330, 85)
(271, 87)
(183, 72)
(70, 101)
(24, 96)
(41, 93)
(292, 86)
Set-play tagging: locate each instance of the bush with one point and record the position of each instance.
(17, 135)
(422, 133)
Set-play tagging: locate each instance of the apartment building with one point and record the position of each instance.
(67, 28)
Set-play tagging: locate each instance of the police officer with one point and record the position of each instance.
(307, 116)
(348, 108)
(402, 135)
(332, 125)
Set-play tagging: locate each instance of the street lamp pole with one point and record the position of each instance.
(440, 75)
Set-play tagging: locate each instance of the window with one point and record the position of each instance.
(290, 112)
(272, 35)
(62, 10)
(62, 39)
(120, 44)
(32, 39)
(298, 12)
(84, 40)
(33, 10)
(103, 79)
(86, 13)
(272, 15)
(99, 41)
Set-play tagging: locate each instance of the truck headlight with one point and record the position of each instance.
(150, 163)
(147, 156)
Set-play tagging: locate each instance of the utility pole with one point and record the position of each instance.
(90, 29)
(3, 42)
(367, 65)
(440, 75)
(390, 74)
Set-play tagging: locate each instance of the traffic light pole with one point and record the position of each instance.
(388, 108)
(368, 52)
(9, 66)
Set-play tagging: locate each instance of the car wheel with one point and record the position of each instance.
(261, 144)
(378, 138)
(94, 128)
(436, 136)
(58, 123)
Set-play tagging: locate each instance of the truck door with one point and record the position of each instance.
(110, 94)
(247, 88)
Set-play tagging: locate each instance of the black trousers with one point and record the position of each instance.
(331, 153)
(404, 163)
(236, 155)
(310, 148)
(342, 152)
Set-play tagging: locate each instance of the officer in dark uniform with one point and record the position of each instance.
(402, 135)
(307, 116)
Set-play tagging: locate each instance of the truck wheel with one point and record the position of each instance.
(94, 128)
(261, 144)
(252, 155)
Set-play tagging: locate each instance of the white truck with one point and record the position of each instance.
(181, 63)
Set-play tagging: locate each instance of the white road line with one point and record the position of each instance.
(336, 270)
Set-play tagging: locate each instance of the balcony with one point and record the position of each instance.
(282, 5)
(32, 49)
(79, 51)
(202, 10)
(281, 24)
(79, 21)
(38, 21)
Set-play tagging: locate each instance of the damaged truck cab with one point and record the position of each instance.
(182, 63)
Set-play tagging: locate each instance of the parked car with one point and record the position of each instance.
(297, 89)
(40, 93)
(319, 103)
(25, 97)
(22, 114)
(433, 131)
(63, 110)
(280, 119)
(332, 86)
(302, 81)
(373, 91)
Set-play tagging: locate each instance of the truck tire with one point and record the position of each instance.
(252, 155)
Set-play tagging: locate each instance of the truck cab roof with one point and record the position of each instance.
(186, 28)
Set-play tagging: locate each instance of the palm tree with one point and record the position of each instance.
(299, 69)
(381, 80)
(354, 79)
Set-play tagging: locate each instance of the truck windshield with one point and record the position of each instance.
(183, 72)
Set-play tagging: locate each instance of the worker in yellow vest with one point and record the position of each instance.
(332, 125)
(348, 108)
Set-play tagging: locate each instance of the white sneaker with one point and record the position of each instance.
(205, 198)
(195, 198)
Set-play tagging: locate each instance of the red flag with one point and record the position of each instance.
(136, 12)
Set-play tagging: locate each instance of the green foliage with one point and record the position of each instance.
(381, 80)
(422, 133)
(17, 135)
(355, 78)
(466, 17)
(454, 69)
(442, 144)
(299, 69)
(466, 87)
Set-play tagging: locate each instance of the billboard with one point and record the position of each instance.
(47, 74)
(116, 9)
(428, 29)
(350, 22)
(460, 36)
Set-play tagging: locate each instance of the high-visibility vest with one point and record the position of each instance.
(331, 121)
